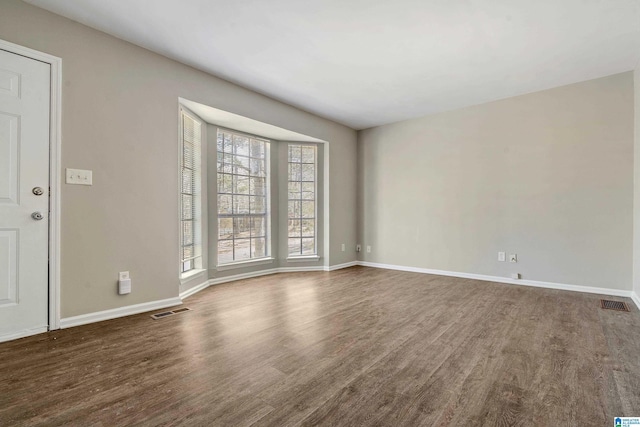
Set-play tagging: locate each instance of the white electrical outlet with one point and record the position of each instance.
(124, 286)
(79, 177)
(344, 247)
(124, 283)
(368, 249)
(513, 258)
(502, 256)
(515, 275)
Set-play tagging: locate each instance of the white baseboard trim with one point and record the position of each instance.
(219, 280)
(636, 299)
(128, 310)
(520, 282)
(300, 269)
(99, 316)
(194, 290)
(25, 333)
(341, 266)
(226, 279)
(242, 276)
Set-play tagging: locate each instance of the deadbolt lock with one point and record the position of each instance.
(38, 191)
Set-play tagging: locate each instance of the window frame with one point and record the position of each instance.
(199, 261)
(268, 250)
(300, 256)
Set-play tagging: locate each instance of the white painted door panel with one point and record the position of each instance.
(24, 164)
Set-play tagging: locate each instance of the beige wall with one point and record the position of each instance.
(636, 184)
(120, 106)
(548, 176)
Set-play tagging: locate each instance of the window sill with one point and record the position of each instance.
(186, 277)
(249, 263)
(303, 258)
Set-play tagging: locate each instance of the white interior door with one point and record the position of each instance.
(24, 169)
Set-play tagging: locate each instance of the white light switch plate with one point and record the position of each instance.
(79, 177)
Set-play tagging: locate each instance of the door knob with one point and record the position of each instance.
(37, 216)
(38, 191)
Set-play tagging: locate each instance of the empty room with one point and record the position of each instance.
(331, 213)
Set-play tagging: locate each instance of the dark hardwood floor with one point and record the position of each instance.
(359, 346)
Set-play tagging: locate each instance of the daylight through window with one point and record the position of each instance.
(302, 200)
(190, 197)
(243, 205)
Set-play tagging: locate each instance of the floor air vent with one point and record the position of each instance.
(169, 313)
(613, 305)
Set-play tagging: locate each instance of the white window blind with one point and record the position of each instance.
(243, 202)
(302, 200)
(190, 194)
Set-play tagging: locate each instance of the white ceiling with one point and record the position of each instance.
(229, 120)
(365, 63)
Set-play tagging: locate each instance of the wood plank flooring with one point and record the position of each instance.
(354, 347)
